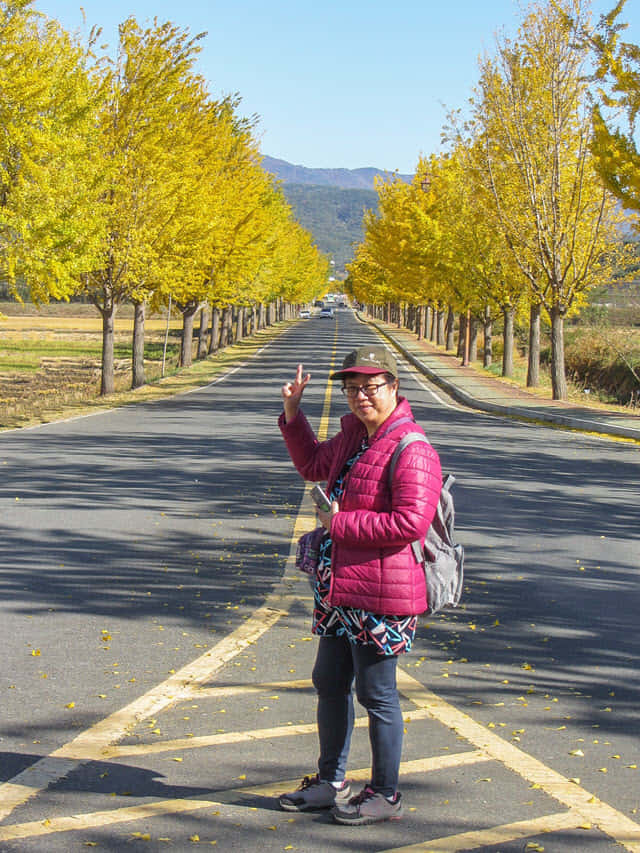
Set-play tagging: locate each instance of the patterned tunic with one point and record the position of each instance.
(392, 635)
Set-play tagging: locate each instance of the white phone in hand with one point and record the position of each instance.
(320, 498)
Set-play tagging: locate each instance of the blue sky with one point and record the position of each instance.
(336, 83)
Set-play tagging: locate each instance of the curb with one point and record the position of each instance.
(515, 412)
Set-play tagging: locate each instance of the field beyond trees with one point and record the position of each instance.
(50, 361)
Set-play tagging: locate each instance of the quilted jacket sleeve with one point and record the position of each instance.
(369, 516)
(312, 458)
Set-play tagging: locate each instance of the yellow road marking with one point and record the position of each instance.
(93, 743)
(323, 428)
(495, 835)
(93, 820)
(419, 765)
(592, 810)
(216, 740)
(90, 744)
(223, 738)
(239, 689)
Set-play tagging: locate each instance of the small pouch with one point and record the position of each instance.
(308, 551)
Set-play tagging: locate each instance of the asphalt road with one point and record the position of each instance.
(156, 646)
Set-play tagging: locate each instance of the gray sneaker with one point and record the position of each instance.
(368, 807)
(315, 794)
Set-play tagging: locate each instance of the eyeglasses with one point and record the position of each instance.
(352, 391)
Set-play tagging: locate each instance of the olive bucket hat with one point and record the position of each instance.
(367, 359)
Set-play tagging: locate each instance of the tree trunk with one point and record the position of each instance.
(186, 348)
(419, 321)
(108, 311)
(202, 331)
(473, 339)
(225, 333)
(239, 334)
(432, 329)
(440, 329)
(533, 367)
(508, 314)
(137, 349)
(558, 378)
(487, 349)
(450, 329)
(462, 333)
(214, 336)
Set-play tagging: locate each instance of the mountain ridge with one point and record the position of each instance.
(360, 179)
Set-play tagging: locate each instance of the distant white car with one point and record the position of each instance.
(304, 314)
(326, 312)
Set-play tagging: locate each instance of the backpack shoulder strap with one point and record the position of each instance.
(396, 424)
(410, 438)
(407, 439)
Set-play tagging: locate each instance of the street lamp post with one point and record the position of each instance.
(425, 186)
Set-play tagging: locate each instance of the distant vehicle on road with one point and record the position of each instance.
(304, 314)
(326, 312)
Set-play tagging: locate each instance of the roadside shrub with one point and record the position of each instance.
(605, 361)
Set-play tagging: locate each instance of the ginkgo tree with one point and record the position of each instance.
(531, 114)
(48, 180)
(141, 138)
(485, 260)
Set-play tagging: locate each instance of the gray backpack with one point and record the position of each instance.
(442, 557)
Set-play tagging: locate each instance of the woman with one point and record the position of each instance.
(369, 587)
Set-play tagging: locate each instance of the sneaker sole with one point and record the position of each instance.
(362, 820)
(289, 806)
(303, 807)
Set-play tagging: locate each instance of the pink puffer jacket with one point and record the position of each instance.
(373, 565)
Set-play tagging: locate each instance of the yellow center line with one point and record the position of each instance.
(323, 428)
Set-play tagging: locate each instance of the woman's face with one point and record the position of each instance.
(371, 408)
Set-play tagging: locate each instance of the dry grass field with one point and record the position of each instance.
(50, 361)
